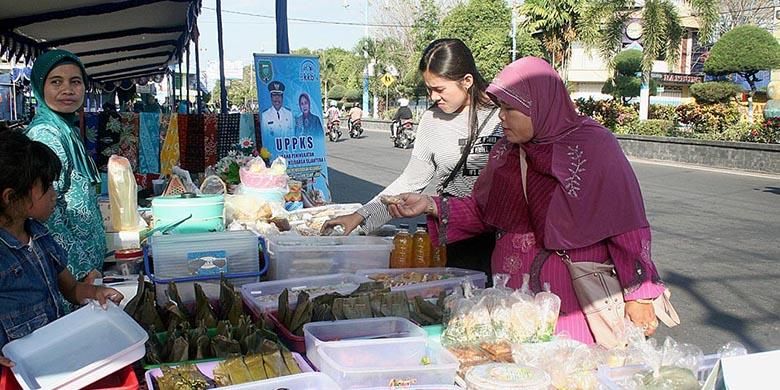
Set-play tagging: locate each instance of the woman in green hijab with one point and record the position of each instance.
(58, 83)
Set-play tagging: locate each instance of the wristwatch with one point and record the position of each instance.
(645, 301)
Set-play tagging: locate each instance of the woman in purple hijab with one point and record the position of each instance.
(579, 194)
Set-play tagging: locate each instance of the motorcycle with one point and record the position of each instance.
(404, 134)
(355, 129)
(334, 130)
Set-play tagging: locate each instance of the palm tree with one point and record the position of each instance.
(603, 23)
(558, 23)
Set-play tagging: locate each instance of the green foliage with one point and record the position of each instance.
(743, 50)
(662, 111)
(337, 92)
(741, 131)
(769, 132)
(654, 127)
(426, 25)
(482, 25)
(628, 62)
(611, 113)
(626, 84)
(708, 118)
(714, 92)
(353, 95)
(558, 23)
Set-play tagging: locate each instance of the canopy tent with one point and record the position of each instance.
(116, 40)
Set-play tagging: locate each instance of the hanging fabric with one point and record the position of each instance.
(149, 143)
(91, 123)
(169, 155)
(247, 127)
(210, 138)
(183, 139)
(228, 126)
(194, 161)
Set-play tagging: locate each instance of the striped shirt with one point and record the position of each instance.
(438, 146)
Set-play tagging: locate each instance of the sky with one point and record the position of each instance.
(244, 35)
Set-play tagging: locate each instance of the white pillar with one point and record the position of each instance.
(644, 97)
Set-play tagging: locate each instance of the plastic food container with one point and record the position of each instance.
(431, 289)
(346, 331)
(305, 381)
(264, 296)
(392, 363)
(295, 343)
(123, 379)
(207, 368)
(616, 378)
(78, 349)
(507, 376)
(208, 212)
(205, 254)
(299, 256)
(129, 261)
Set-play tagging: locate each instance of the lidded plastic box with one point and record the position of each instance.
(391, 362)
(453, 278)
(77, 349)
(346, 331)
(264, 296)
(617, 378)
(205, 254)
(299, 256)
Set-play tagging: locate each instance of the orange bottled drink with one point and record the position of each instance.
(422, 247)
(438, 256)
(401, 256)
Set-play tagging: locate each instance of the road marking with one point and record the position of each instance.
(703, 168)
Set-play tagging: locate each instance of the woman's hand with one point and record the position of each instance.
(4, 361)
(103, 294)
(413, 205)
(642, 315)
(349, 222)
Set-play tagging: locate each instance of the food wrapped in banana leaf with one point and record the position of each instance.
(242, 329)
(180, 351)
(224, 346)
(235, 309)
(173, 295)
(283, 311)
(203, 310)
(289, 361)
(274, 364)
(153, 348)
(146, 314)
(256, 366)
(132, 306)
(237, 370)
(301, 315)
(357, 307)
(253, 342)
(184, 377)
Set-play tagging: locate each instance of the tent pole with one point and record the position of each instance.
(188, 77)
(222, 90)
(197, 74)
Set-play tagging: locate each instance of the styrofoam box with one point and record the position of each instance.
(77, 349)
(616, 378)
(299, 256)
(381, 362)
(346, 331)
(433, 288)
(184, 255)
(259, 297)
(305, 381)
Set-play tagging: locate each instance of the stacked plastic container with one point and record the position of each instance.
(202, 257)
(300, 256)
(431, 289)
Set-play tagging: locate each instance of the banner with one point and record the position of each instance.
(291, 119)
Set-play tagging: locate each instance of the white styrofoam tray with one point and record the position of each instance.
(77, 349)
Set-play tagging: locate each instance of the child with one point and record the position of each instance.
(33, 269)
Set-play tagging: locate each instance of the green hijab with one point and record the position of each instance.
(66, 124)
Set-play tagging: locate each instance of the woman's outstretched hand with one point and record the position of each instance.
(349, 222)
(412, 205)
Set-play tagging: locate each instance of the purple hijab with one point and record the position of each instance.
(597, 194)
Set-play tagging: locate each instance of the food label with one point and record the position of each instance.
(207, 263)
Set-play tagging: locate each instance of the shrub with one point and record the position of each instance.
(715, 92)
(708, 118)
(768, 132)
(656, 127)
(662, 111)
(610, 113)
(740, 131)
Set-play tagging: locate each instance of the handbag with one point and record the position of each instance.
(601, 298)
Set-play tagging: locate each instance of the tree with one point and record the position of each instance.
(557, 22)
(337, 92)
(483, 26)
(626, 84)
(745, 50)
(741, 12)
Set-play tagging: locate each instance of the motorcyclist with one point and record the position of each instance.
(355, 113)
(404, 113)
(333, 114)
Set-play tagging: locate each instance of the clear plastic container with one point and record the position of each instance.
(317, 333)
(264, 296)
(305, 381)
(616, 378)
(205, 254)
(77, 349)
(433, 288)
(507, 376)
(300, 256)
(391, 362)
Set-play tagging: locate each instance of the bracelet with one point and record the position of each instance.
(431, 206)
(644, 301)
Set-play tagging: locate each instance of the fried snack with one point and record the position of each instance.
(499, 352)
(390, 199)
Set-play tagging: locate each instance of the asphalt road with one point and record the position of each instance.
(716, 239)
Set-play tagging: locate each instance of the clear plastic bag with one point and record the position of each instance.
(549, 306)
(122, 194)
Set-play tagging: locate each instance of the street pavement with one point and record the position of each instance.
(716, 238)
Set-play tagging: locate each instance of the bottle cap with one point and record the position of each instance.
(403, 226)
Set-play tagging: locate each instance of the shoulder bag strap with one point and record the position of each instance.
(466, 151)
